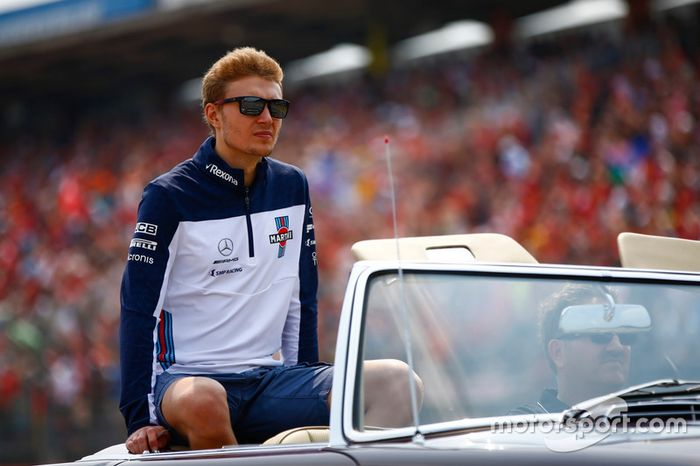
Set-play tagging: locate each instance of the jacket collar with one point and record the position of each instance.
(216, 168)
(550, 401)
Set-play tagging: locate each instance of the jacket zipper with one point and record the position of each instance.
(249, 224)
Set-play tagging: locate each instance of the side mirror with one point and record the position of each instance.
(604, 318)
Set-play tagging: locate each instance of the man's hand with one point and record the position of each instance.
(148, 439)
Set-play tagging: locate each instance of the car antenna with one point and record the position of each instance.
(418, 436)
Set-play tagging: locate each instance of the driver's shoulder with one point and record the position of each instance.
(527, 408)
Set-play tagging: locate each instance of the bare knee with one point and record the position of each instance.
(196, 404)
(391, 375)
(388, 392)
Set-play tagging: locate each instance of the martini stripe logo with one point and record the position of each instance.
(283, 234)
(165, 349)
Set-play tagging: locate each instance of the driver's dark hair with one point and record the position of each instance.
(569, 295)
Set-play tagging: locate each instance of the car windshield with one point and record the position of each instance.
(489, 344)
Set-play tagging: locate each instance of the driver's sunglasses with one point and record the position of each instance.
(626, 339)
(253, 106)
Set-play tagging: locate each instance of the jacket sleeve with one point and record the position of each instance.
(142, 293)
(307, 337)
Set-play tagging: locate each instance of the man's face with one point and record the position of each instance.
(589, 362)
(241, 135)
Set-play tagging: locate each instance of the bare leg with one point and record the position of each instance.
(387, 393)
(196, 407)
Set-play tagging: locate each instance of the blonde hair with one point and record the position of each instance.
(236, 64)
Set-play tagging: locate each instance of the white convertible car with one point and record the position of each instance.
(520, 362)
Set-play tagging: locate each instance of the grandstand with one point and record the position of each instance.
(558, 137)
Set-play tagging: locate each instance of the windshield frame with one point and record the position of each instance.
(350, 336)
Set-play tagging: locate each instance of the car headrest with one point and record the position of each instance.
(466, 248)
(658, 252)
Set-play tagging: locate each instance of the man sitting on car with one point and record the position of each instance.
(219, 340)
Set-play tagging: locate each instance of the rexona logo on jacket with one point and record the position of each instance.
(216, 171)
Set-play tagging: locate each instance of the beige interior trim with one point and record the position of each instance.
(311, 434)
(485, 247)
(658, 252)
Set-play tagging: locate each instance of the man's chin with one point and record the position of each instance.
(613, 375)
(262, 151)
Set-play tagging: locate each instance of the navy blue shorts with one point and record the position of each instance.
(265, 401)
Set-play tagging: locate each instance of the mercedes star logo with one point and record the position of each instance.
(225, 247)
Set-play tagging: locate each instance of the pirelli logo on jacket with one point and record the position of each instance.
(143, 243)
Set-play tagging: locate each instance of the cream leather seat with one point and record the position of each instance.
(311, 434)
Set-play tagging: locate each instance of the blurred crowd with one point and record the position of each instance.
(562, 145)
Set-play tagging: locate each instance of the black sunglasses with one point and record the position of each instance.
(254, 106)
(626, 339)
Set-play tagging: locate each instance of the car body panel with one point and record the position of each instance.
(308, 454)
(673, 452)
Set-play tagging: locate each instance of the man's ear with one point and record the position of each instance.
(555, 348)
(211, 111)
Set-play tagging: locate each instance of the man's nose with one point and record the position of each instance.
(265, 115)
(615, 343)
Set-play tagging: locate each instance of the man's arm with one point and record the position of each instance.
(300, 338)
(142, 293)
(308, 284)
(136, 353)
